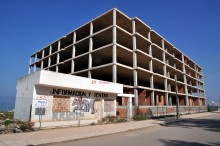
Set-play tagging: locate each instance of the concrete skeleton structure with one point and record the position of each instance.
(119, 49)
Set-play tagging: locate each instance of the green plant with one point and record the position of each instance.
(139, 117)
(9, 115)
(111, 118)
(120, 120)
(6, 115)
(23, 127)
(7, 122)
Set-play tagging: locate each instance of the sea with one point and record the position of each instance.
(7, 103)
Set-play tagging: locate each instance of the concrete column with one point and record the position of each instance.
(130, 107)
(135, 63)
(134, 47)
(50, 50)
(134, 55)
(42, 62)
(166, 99)
(164, 57)
(150, 51)
(136, 97)
(43, 54)
(183, 65)
(90, 57)
(165, 70)
(187, 100)
(135, 84)
(35, 67)
(72, 66)
(29, 67)
(73, 62)
(152, 99)
(135, 77)
(152, 81)
(169, 87)
(162, 42)
(49, 59)
(58, 57)
(166, 95)
(151, 60)
(73, 53)
(170, 101)
(58, 60)
(149, 37)
(200, 101)
(114, 17)
(157, 100)
(91, 28)
(165, 84)
(74, 37)
(114, 57)
(115, 106)
(175, 77)
(174, 65)
(185, 81)
(184, 69)
(152, 86)
(114, 49)
(49, 62)
(35, 60)
(59, 44)
(168, 74)
(90, 50)
(195, 72)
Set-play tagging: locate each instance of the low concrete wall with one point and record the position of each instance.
(154, 111)
(45, 125)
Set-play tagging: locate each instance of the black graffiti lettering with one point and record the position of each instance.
(56, 91)
(78, 93)
(101, 95)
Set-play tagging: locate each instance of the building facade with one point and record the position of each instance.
(118, 49)
(53, 99)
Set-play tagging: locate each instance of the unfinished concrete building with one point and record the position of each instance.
(119, 49)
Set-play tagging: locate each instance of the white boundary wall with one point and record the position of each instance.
(44, 83)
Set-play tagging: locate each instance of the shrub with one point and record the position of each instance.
(120, 120)
(23, 127)
(111, 118)
(9, 115)
(139, 117)
(7, 122)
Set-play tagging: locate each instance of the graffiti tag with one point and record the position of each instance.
(83, 104)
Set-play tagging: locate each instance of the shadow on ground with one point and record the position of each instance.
(212, 125)
(185, 143)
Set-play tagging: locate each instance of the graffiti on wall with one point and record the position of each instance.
(83, 104)
(64, 116)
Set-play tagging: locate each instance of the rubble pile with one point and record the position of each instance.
(13, 126)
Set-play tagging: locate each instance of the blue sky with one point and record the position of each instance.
(26, 26)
